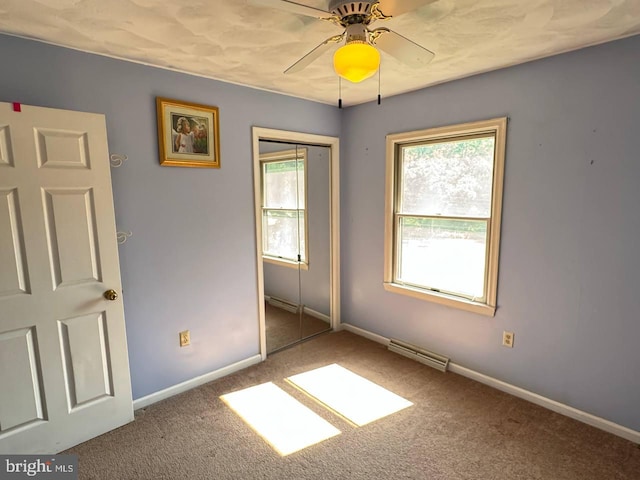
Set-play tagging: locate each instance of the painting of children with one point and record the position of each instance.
(188, 134)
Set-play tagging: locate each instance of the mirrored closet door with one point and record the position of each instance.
(294, 211)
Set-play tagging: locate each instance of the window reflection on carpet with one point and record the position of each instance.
(289, 426)
(351, 396)
(286, 424)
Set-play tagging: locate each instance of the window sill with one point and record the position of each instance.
(285, 263)
(442, 299)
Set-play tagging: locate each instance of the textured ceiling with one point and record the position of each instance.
(249, 45)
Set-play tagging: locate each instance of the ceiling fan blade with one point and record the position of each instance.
(314, 54)
(294, 7)
(401, 48)
(393, 8)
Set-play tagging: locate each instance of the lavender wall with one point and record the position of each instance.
(190, 263)
(569, 269)
(569, 265)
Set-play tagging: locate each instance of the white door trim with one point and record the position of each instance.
(333, 143)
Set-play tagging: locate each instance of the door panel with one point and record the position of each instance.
(14, 274)
(64, 370)
(62, 149)
(86, 359)
(20, 369)
(6, 158)
(71, 236)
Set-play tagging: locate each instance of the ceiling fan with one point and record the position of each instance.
(358, 59)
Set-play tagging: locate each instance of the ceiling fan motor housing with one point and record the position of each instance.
(345, 9)
(357, 32)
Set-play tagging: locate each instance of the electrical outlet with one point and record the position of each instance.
(185, 338)
(507, 339)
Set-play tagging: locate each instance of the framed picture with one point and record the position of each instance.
(188, 134)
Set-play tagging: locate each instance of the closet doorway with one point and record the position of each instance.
(297, 222)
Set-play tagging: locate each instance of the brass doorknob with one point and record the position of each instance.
(111, 295)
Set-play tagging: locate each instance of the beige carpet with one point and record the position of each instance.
(284, 328)
(456, 429)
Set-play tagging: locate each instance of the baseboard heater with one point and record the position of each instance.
(416, 353)
(283, 304)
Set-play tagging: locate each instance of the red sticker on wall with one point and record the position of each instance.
(17, 107)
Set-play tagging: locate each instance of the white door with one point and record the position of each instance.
(64, 368)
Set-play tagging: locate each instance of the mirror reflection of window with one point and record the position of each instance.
(284, 223)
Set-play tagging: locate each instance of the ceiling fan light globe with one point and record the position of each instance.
(356, 61)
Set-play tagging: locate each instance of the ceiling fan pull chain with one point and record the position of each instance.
(379, 97)
(339, 92)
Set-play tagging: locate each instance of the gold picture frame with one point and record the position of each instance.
(188, 134)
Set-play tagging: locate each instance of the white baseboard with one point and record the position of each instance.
(557, 407)
(320, 316)
(365, 333)
(195, 382)
(309, 311)
(545, 402)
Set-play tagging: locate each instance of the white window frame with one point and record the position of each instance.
(285, 156)
(497, 127)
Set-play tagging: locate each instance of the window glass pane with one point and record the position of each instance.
(449, 179)
(445, 254)
(280, 184)
(283, 232)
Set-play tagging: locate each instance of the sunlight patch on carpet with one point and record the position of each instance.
(286, 424)
(353, 397)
